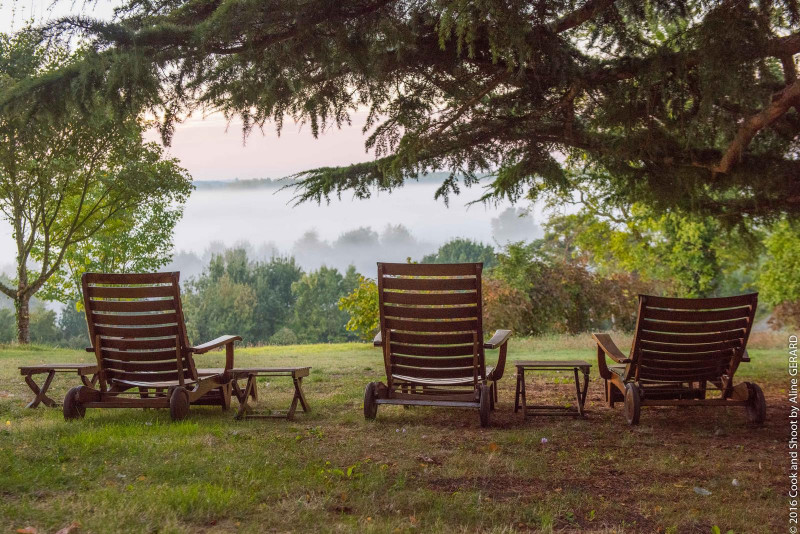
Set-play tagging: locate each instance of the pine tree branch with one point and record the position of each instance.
(781, 103)
(497, 80)
(629, 67)
(587, 11)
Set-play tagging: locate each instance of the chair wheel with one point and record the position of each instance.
(179, 404)
(72, 408)
(485, 404)
(370, 406)
(633, 405)
(756, 405)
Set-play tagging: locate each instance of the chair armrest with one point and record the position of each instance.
(607, 345)
(499, 338)
(745, 356)
(89, 349)
(499, 341)
(378, 341)
(221, 341)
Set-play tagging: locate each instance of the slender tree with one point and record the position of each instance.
(682, 104)
(67, 179)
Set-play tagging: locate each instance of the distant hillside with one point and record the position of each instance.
(276, 183)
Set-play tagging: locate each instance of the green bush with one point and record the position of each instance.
(362, 306)
(284, 336)
(463, 251)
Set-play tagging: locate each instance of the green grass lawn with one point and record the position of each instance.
(420, 469)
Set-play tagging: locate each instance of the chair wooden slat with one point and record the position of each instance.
(718, 363)
(423, 299)
(429, 269)
(685, 328)
(448, 350)
(433, 372)
(431, 313)
(677, 376)
(715, 303)
(686, 357)
(432, 326)
(121, 292)
(432, 338)
(142, 366)
(139, 356)
(132, 306)
(430, 284)
(665, 337)
(131, 278)
(135, 320)
(688, 348)
(140, 344)
(434, 363)
(696, 316)
(121, 331)
(145, 377)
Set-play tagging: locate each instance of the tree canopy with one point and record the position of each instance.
(686, 104)
(79, 189)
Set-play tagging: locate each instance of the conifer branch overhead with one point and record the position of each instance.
(673, 100)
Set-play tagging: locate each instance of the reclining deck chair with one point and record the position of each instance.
(680, 348)
(143, 355)
(431, 333)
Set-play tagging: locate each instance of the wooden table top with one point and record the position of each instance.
(566, 364)
(81, 368)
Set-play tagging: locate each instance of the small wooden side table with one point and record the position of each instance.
(251, 393)
(84, 370)
(575, 366)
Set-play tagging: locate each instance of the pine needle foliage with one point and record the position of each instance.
(682, 104)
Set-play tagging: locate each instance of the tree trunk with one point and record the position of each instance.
(22, 305)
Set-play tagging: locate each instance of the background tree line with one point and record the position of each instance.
(583, 274)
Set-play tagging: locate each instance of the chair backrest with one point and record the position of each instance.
(691, 340)
(136, 327)
(431, 320)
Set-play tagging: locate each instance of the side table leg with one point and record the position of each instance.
(522, 393)
(578, 392)
(243, 400)
(585, 389)
(238, 392)
(516, 395)
(298, 392)
(41, 393)
(293, 407)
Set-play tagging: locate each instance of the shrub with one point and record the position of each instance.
(283, 336)
(537, 295)
(362, 306)
(463, 251)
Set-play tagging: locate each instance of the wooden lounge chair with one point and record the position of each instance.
(143, 355)
(681, 348)
(431, 332)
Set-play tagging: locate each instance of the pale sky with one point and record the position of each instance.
(210, 148)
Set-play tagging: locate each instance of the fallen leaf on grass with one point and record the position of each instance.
(493, 447)
(69, 528)
(27, 530)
